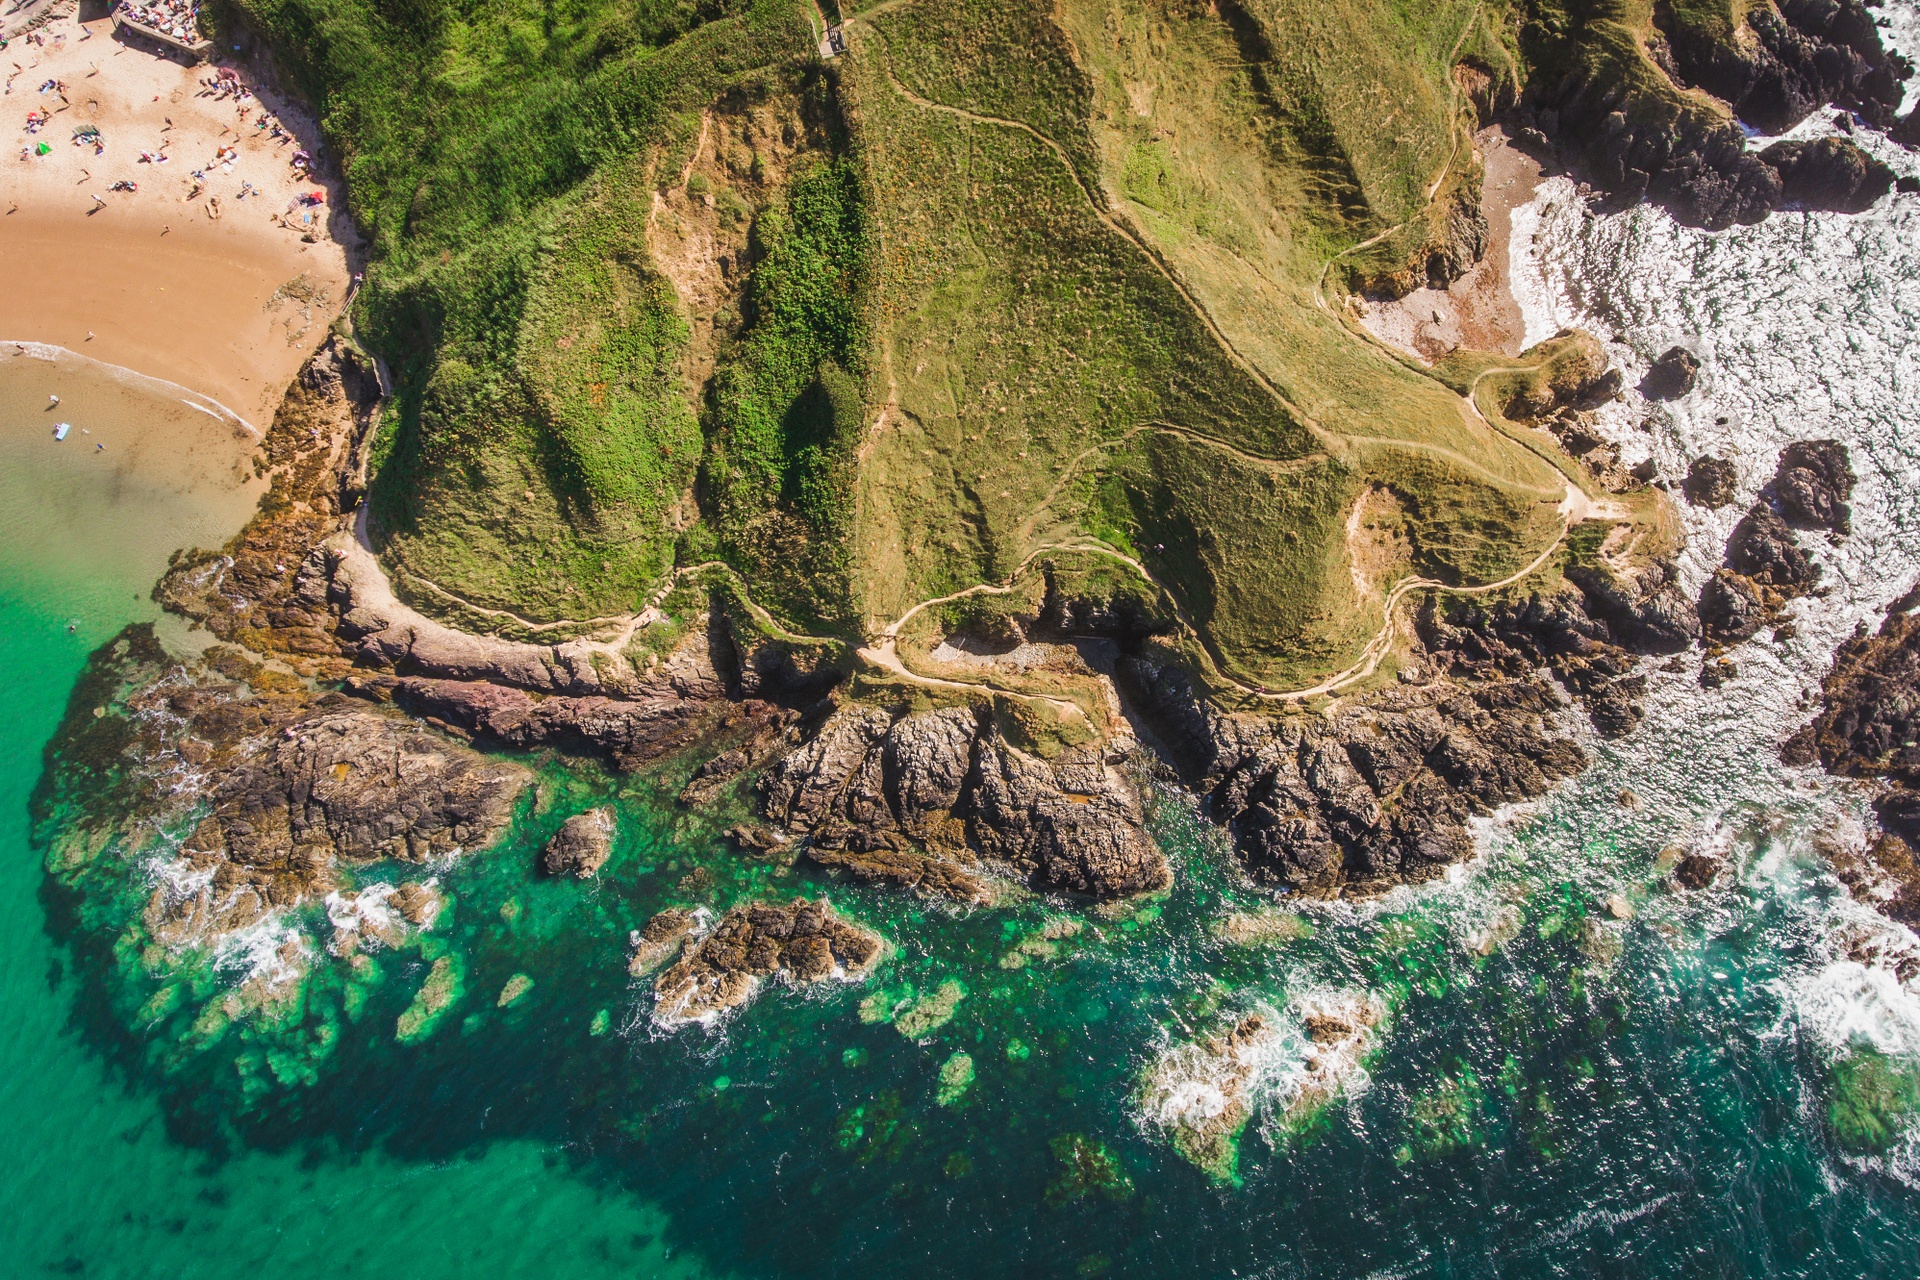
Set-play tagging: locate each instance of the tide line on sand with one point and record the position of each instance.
(54, 354)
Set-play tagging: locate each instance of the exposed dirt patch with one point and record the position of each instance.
(1478, 310)
(702, 216)
(1378, 549)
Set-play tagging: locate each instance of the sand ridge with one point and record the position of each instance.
(227, 298)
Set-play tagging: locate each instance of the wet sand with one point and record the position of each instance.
(1478, 311)
(146, 468)
(162, 285)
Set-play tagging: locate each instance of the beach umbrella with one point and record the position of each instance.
(86, 131)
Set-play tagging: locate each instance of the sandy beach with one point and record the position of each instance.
(1478, 311)
(223, 289)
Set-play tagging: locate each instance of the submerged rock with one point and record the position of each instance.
(1205, 1091)
(581, 846)
(804, 941)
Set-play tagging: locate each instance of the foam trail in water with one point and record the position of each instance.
(1805, 325)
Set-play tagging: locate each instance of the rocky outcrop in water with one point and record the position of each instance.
(341, 784)
(804, 942)
(1671, 376)
(1869, 727)
(581, 846)
(1813, 484)
(1204, 1091)
(872, 788)
(298, 784)
(1766, 567)
(1711, 482)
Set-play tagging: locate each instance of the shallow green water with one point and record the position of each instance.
(92, 1185)
(1647, 1097)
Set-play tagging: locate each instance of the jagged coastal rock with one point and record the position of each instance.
(300, 785)
(1629, 123)
(1378, 791)
(1868, 726)
(949, 782)
(804, 942)
(1765, 566)
(581, 846)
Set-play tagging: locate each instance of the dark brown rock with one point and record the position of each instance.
(359, 786)
(1378, 793)
(1671, 376)
(1696, 871)
(1829, 173)
(1732, 608)
(803, 941)
(581, 846)
(1711, 482)
(1813, 484)
(1790, 61)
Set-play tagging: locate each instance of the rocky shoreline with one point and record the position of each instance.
(327, 668)
(1632, 121)
(1868, 727)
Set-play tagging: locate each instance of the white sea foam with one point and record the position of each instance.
(270, 951)
(1806, 327)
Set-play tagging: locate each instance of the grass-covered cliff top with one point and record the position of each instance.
(1008, 281)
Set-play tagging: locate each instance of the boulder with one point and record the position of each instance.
(581, 846)
(1671, 376)
(1813, 484)
(1711, 482)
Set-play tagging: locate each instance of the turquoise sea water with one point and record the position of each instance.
(92, 1185)
(1582, 1073)
(1640, 1107)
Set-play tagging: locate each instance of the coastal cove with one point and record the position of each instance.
(877, 880)
(102, 1188)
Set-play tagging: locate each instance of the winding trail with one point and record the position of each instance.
(1576, 505)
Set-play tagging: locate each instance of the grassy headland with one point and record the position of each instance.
(1009, 281)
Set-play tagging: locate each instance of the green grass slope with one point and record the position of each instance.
(1012, 285)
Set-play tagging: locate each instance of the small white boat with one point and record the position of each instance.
(60, 431)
